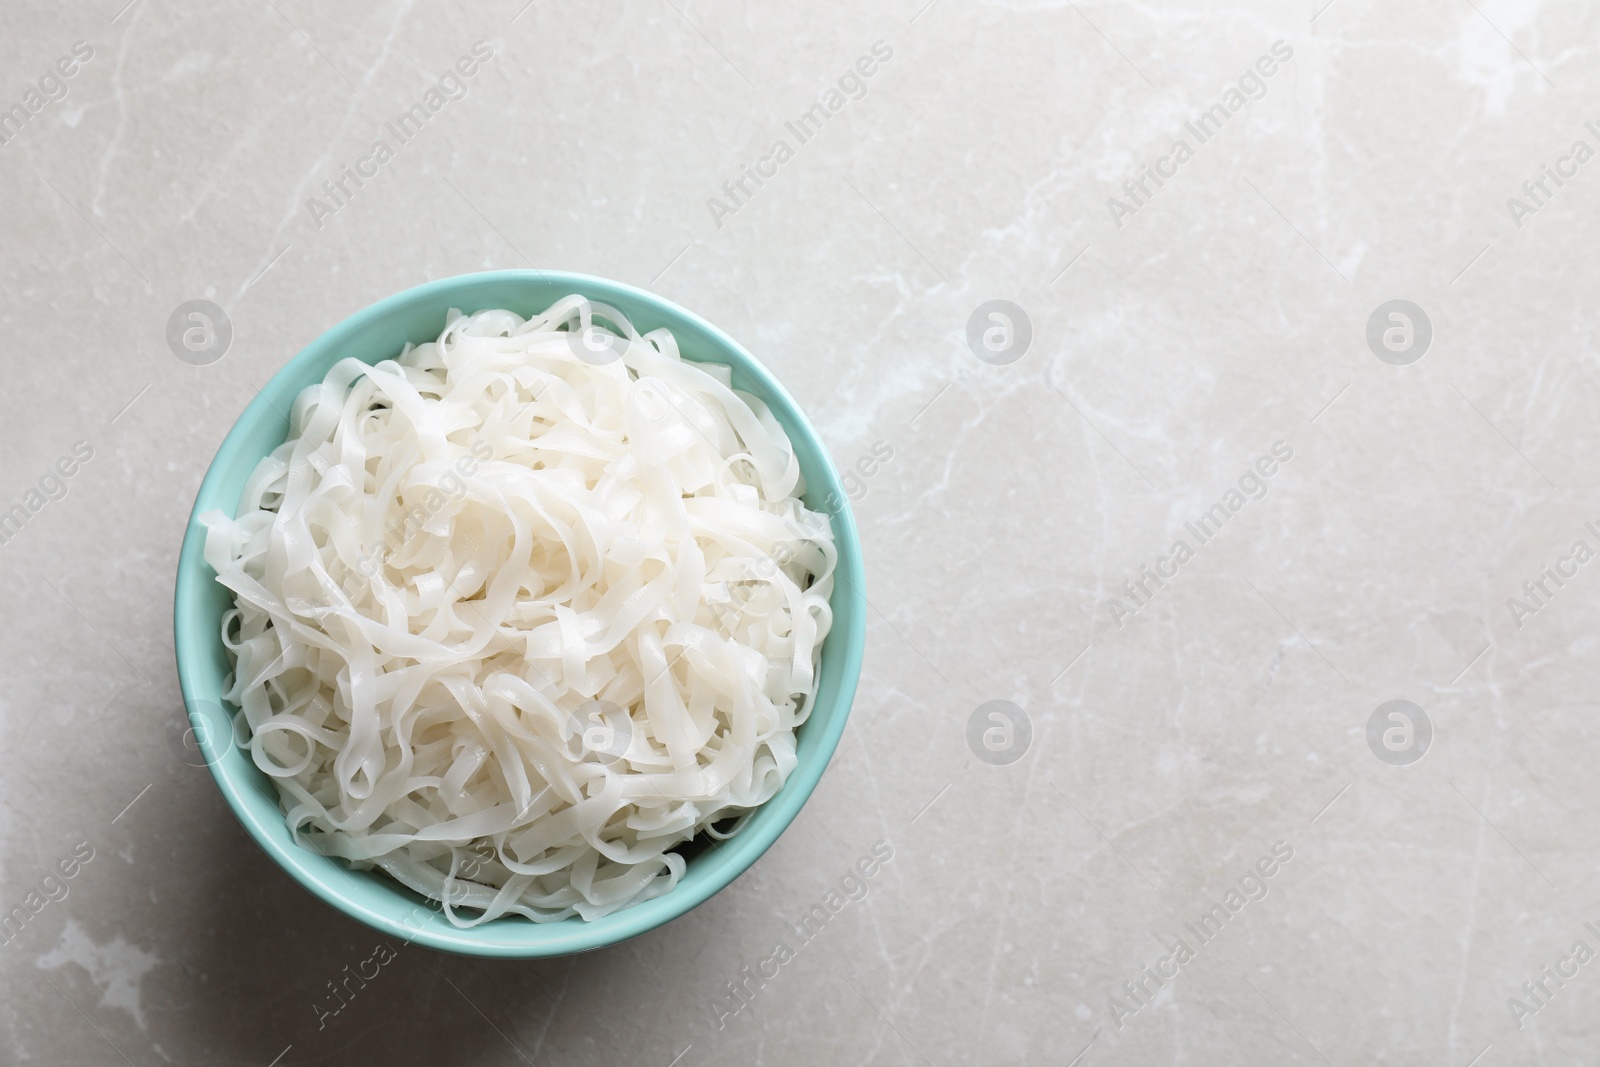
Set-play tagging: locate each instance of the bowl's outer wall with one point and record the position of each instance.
(380, 332)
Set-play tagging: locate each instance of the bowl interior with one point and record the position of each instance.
(380, 332)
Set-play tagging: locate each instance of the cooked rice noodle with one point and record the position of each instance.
(522, 611)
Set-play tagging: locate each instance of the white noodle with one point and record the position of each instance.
(515, 617)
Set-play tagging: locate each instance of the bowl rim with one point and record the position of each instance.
(310, 869)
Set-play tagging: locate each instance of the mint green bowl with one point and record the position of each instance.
(379, 332)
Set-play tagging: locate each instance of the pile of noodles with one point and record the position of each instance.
(521, 611)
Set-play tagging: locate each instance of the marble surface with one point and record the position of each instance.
(1215, 742)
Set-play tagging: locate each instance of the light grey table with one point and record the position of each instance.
(1207, 838)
